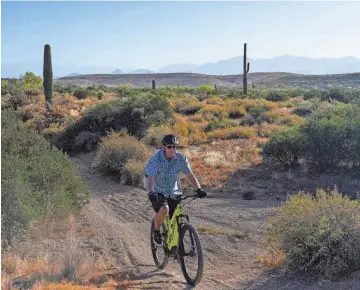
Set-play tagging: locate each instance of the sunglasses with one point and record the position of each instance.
(171, 146)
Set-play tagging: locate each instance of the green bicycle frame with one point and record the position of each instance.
(172, 226)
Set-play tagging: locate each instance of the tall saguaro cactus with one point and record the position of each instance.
(48, 76)
(246, 70)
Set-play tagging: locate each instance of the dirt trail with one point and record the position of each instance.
(119, 217)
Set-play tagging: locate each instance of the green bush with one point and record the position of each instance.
(247, 120)
(302, 111)
(333, 137)
(134, 115)
(14, 97)
(285, 147)
(277, 96)
(336, 95)
(320, 234)
(100, 95)
(81, 93)
(37, 181)
(220, 123)
(313, 94)
(116, 150)
(327, 139)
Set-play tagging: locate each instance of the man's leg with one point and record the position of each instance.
(160, 216)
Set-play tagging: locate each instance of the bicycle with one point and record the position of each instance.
(174, 232)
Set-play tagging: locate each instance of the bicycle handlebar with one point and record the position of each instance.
(180, 197)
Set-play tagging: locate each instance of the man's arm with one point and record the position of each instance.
(193, 180)
(150, 183)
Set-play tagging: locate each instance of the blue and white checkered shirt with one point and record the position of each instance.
(167, 172)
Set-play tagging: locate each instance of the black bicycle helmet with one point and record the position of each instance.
(170, 139)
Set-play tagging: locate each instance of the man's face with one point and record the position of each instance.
(170, 151)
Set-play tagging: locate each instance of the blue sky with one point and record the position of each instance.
(154, 34)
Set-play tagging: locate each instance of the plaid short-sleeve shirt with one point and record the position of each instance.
(167, 172)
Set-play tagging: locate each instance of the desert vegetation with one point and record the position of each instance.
(285, 129)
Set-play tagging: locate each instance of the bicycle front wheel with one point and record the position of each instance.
(191, 254)
(159, 253)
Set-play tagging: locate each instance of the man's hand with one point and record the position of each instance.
(155, 197)
(152, 196)
(201, 193)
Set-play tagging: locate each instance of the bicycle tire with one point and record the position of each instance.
(154, 248)
(195, 241)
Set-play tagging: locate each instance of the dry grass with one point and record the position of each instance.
(31, 263)
(267, 130)
(241, 132)
(214, 163)
(210, 111)
(273, 258)
(213, 230)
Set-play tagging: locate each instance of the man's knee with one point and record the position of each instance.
(164, 210)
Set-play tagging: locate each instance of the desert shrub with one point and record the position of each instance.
(327, 139)
(195, 118)
(214, 100)
(302, 111)
(205, 90)
(268, 130)
(256, 111)
(81, 93)
(277, 96)
(135, 116)
(100, 95)
(247, 120)
(37, 181)
(334, 137)
(116, 150)
(289, 120)
(14, 97)
(233, 133)
(319, 234)
(210, 111)
(66, 100)
(336, 94)
(285, 147)
(236, 112)
(313, 94)
(219, 123)
(270, 117)
(65, 89)
(134, 172)
(87, 141)
(187, 106)
(52, 133)
(154, 135)
(125, 91)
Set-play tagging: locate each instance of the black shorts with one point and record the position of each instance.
(170, 202)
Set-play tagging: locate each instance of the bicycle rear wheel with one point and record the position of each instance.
(159, 253)
(191, 254)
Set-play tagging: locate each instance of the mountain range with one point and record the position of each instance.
(285, 63)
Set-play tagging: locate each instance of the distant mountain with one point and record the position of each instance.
(73, 74)
(284, 63)
(141, 71)
(173, 68)
(117, 72)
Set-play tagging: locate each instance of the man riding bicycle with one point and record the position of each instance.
(162, 173)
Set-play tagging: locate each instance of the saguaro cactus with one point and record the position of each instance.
(246, 70)
(48, 75)
(153, 84)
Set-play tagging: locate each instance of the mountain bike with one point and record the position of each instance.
(181, 241)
